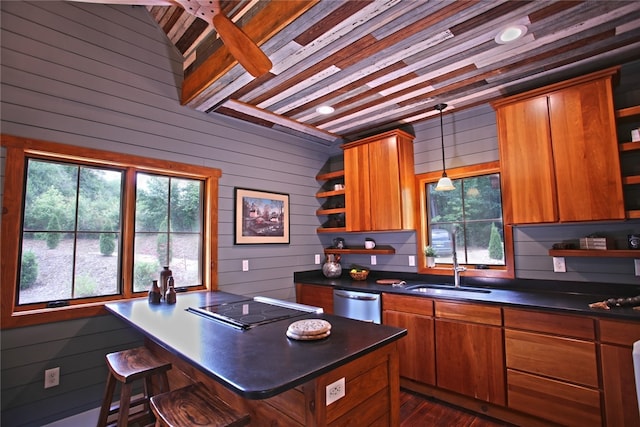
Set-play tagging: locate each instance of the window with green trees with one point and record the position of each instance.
(474, 211)
(72, 227)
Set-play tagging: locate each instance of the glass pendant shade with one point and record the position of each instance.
(445, 184)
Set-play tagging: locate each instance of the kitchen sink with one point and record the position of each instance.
(442, 288)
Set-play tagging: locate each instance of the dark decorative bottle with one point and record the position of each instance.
(170, 298)
(154, 293)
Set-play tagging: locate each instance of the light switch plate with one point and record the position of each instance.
(412, 260)
(636, 263)
(317, 260)
(245, 265)
(374, 260)
(559, 265)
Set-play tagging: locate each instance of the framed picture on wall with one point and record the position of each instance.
(261, 217)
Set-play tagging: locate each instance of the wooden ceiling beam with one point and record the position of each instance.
(272, 18)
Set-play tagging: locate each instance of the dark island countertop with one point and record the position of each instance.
(567, 297)
(257, 363)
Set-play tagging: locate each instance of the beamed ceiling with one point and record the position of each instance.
(385, 64)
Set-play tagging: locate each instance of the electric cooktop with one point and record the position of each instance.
(249, 313)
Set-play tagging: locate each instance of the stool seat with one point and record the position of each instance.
(126, 367)
(194, 405)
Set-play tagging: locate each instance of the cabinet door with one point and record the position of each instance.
(417, 358)
(526, 162)
(357, 189)
(470, 360)
(317, 296)
(618, 380)
(384, 180)
(585, 148)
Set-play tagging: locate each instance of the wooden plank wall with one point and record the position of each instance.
(106, 77)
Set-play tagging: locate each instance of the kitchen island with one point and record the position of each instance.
(279, 381)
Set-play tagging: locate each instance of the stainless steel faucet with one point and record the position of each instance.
(456, 267)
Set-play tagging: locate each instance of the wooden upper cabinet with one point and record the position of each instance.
(379, 182)
(559, 152)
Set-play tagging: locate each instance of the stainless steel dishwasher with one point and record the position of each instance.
(357, 305)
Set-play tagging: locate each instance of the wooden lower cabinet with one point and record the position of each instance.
(315, 295)
(618, 381)
(552, 368)
(469, 350)
(416, 349)
(557, 401)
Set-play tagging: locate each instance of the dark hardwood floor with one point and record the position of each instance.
(417, 410)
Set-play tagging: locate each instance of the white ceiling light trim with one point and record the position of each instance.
(510, 34)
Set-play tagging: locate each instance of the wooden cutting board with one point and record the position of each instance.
(390, 282)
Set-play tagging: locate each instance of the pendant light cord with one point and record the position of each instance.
(441, 107)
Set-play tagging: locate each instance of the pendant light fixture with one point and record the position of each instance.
(444, 184)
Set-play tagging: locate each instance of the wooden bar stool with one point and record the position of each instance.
(126, 367)
(194, 405)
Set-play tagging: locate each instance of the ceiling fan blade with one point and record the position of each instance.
(245, 50)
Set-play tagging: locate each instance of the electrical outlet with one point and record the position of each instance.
(245, 265)
(52, 377)
(559, 265)
(374, 260)
(317, 261)
(412, 260)
(636, 263)
(335, 391)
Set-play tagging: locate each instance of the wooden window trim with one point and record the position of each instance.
(507, 271)
(17, 149)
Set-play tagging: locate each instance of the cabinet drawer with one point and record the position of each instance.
(616, 332)
(563, 403)
(557, 324)
(562, 358)
(407, 304)
(475, 313)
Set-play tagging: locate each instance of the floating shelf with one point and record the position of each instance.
(633, 214)
(331, 230)
(628, 112)
(329, 175)
(378, 250)
(330, 211)
(609, 253)
(629, 180)
(329, 193)
(629, 146)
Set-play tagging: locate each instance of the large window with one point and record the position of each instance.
(83, 227)
(468, 219)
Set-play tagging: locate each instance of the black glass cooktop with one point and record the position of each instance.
(248, 313)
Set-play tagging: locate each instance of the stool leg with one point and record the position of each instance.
(125, 402)
(106, 400)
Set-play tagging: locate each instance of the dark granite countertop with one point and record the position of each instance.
(568, 297)
(257, 363)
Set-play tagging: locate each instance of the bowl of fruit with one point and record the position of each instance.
(358, 273)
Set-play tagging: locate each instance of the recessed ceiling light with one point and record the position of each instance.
(511, 34)
(325, 109)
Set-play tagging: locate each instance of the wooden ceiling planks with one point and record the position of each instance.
(385, 63)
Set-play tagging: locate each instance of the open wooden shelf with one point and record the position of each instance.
(330, 211)
(630, 180)
(331, 230)
(629, 146)
(609, 253)
(329, 175)
(628, 112)
(633, 214)
(329, 193)
(378, 250)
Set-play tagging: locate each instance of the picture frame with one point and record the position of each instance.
(261, 217)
